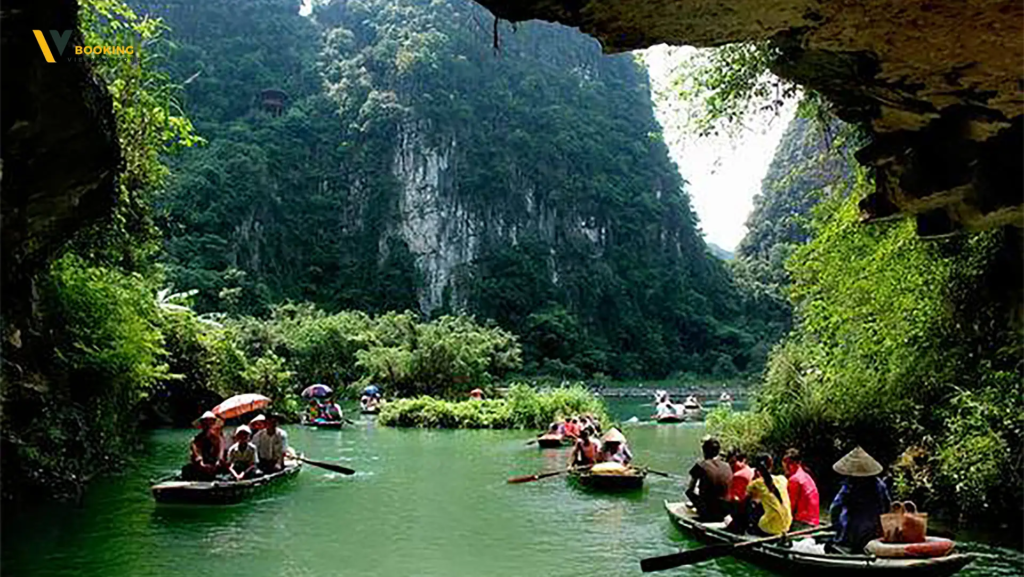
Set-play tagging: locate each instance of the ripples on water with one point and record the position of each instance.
(424, 503)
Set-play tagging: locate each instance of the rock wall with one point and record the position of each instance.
(432, 222)
(938, 85)
(60, 150)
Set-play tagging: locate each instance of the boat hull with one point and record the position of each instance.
(608, 483)
(790, 562)
(552, 442)
(220, 492)
(326, 424)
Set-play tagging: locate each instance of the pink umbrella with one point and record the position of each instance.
(240, 405)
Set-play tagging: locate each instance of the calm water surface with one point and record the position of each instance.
(424, 503)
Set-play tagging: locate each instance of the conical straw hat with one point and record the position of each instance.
(614, 436)
(857, 463)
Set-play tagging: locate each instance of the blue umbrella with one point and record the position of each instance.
(372, 390)
(317, 390)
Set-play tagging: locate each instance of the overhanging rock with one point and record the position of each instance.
(938, 84)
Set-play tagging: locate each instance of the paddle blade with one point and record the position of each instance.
(522, 479)
(329, 466)
(684, 558)
(529, 478)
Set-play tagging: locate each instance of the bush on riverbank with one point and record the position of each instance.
(300, 345)
(523, 408)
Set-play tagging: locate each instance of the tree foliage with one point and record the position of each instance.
(905, 347)
(522, 408)
(574, 217)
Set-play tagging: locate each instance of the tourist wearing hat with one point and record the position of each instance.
(614, 448)
(709, 483)
(271, 443)
(206, 450)
(861, 500)
(241, 457)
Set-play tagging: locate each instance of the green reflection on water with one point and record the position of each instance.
(423, 503)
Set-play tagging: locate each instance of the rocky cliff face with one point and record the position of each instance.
(938, 84)
(432, 222)
(60, 149)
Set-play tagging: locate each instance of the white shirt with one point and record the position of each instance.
(239, 454)
(271, 447)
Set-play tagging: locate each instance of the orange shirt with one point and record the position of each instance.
(738, 488)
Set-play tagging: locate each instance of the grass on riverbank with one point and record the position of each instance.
(522, 408)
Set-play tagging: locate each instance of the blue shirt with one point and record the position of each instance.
(856, 509)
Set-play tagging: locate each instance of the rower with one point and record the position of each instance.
(584, 453)
(206, 450)
(271, 443)
(614, 448)
(860, 502)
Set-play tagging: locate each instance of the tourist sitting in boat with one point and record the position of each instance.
(709, 483)
(315, 410)
(766, 510)
(271, 443)
(368, 402)
(205, 451)
(332, 412)
(742, 474)
(691, 403)
(241, 457)
(593, 423)
(803, 492)
(572, 427)
(614, 448)
(476, 395)
(861, 500)
(584, 453)
(665, 409)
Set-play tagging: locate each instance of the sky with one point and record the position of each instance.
(723, 173)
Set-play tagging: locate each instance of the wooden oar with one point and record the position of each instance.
(325, 465)
(539, 476)
(714, 551)
(664, 474)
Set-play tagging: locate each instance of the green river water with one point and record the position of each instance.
(424, 503)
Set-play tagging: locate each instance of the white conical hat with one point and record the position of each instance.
(857, 463)
(613, 436)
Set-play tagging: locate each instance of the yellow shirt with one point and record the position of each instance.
(777, 516)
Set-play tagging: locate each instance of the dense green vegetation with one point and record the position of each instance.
(70, 389)
(300, 345)
(569, 225)
(909, 348)
(522, 408)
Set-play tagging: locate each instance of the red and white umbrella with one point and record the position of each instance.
(240, 405)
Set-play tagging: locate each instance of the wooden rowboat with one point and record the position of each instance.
(370, 410)
(176, 490)
(789, 561)
(668, 419)
(609, 477)
(553, 441)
